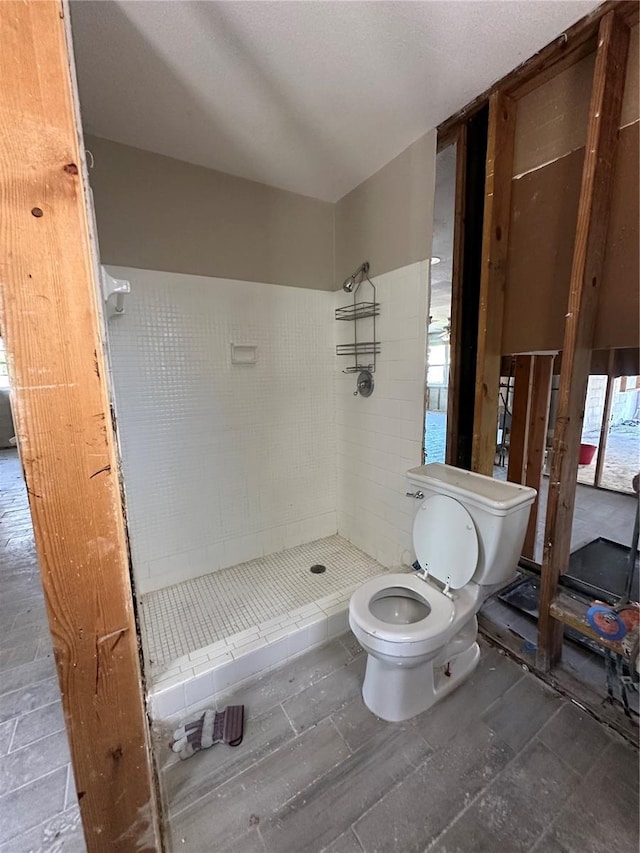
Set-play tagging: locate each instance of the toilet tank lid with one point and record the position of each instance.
(498, 496)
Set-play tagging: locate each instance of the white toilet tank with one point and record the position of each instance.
(500, 511)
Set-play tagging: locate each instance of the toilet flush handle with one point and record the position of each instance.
(418, 495)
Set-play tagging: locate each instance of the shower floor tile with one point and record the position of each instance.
(181, 619)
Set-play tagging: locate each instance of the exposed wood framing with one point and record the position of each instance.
(453, 396)
(529, 421)
(519, 436)
(495, 238)
(573, 45)
(61, 406)
(606, 415)
(537, 441)
(590, 241)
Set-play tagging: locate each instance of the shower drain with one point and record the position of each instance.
(317, 569)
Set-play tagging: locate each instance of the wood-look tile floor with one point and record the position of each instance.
(38, 805)
(502, 764)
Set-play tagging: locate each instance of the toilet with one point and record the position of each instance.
(419, 629)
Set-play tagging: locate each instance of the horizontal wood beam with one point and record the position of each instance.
(495, 239)
(573, 613)
(586, 272)
(61, 406)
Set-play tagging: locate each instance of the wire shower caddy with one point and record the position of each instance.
(360, 311)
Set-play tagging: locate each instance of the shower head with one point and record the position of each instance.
(355, 278)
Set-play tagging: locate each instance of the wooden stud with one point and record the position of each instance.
(495, 238)
(519, 437)
(537, 442)
(455, 337)
(606, 415)
(586, 271)
(61, 406)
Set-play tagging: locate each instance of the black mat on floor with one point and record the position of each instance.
(600, 570)
(524, 595)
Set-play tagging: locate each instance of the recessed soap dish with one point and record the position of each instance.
(244, 354)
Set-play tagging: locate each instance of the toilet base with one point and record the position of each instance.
(396, 693)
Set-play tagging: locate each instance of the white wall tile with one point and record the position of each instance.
(380, 437)
(222, 463)
(166, 703)
(199, 689)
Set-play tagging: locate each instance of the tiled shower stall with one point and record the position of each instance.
(240, 476)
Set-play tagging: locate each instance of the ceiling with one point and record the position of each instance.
(312, 97)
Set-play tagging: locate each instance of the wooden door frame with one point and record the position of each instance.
(51, 322)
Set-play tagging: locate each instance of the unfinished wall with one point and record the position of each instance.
(222, 462)
(387, 219)
(549, 152)
(154, 212)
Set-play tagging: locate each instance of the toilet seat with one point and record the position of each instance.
(439, 619)
(445, 541)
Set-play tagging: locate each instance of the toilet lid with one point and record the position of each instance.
(445, 540)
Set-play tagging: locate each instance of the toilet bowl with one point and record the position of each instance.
(419, 630)
(405, 624)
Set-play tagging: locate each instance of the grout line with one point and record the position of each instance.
(32, 781)
(66, 788)
(284, 710)
(36, 740)
(483, 790)
(566, 803)
(13, 734)
(554, 753)
(501, 697)
(340, 735)
(353, 831)
(47, 822)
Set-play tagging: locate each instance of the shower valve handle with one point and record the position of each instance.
(418, 495)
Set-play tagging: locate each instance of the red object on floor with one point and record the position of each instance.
(587, 452)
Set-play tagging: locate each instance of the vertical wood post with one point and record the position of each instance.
(537, 441)
(495, 238)
(519, 435)
(586, 271)
(455, 342)
(61, 404)
(606, 415)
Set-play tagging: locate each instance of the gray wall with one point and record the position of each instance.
(157, 213)
(388, 218)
